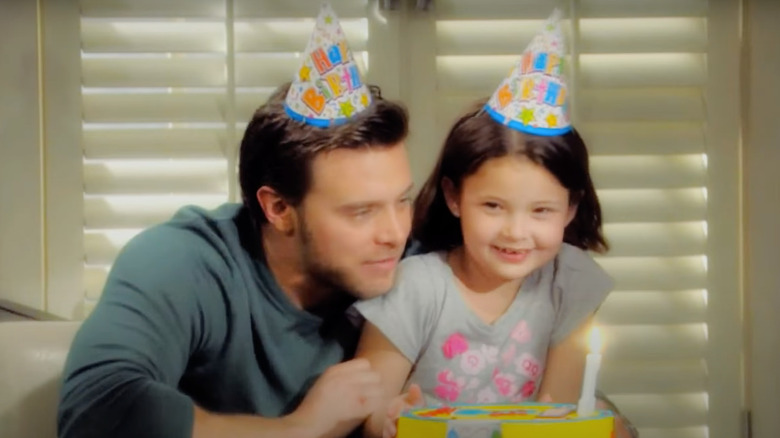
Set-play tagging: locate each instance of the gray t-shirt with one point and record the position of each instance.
(457, 357)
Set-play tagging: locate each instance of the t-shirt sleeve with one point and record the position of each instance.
(579, 288)
(406, 315)
(123, 369)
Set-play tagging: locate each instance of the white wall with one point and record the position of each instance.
(21, 154)
(40, 157)
(762, 211)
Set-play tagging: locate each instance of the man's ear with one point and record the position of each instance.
(280, 214)
(451, 196)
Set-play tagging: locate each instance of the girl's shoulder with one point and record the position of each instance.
(577, 267)
(430, 263)
(428, 271)
(573, 258)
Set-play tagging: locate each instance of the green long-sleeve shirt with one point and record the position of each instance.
(191, 314)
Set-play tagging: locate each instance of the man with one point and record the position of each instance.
(240, 308)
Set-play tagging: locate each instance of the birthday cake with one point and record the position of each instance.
(526, 420)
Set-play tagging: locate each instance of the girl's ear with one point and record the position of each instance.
(450, 196)
(571, 214)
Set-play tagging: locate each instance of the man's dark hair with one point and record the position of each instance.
(278, 152)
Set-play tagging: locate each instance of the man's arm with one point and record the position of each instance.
(162, 304)
(209, 425)
(125, 363)
(336, 405)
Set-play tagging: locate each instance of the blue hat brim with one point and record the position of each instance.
(320, 123)
(519, 126)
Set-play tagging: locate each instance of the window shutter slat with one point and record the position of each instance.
(649, 342)
(494, 10)
(265, 70)
(660, 376)
(642, 8)
(154, 70)
(654, 307)
(663, 273)
(175, 107)
(155, 177)
(102, 246)
(659, 239)
(659, 104)
(298, 9)
(644, 70)
(153, 9)
(468, 37)
(653, 205)
(136, 212)
(643, 35)
(643, 137)
(154, 143)
(291, 35)
(649, 171)
(152, 36)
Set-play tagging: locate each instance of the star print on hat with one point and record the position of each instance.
(327, 90)
(533, 98)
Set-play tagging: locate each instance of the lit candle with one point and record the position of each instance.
(587, 404)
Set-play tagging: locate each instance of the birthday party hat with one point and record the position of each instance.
(533, 98)
(327, 89)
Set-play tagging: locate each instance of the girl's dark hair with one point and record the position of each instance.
(476, 138)
(278, 152)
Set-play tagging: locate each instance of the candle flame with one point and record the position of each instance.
(595, 340)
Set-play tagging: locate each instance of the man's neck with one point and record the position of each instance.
(283, 254)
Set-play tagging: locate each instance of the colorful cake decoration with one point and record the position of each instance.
(533, 97)
(524, 420)
(327, 89)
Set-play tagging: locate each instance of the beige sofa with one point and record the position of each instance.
(32, 355)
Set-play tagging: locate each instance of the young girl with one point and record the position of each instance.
(497, 311)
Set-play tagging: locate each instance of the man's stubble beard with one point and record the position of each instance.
(320, 274)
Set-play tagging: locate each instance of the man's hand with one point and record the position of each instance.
(343, 396)
(410, 399)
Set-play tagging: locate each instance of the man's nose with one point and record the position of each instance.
(393, 229)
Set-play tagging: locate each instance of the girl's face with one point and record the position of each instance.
(513, 214)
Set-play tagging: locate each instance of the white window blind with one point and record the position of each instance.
(167, 89)
(638, 73)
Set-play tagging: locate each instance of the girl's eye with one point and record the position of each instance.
(492, 205)
(544, 210)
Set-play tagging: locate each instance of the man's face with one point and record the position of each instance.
(356, 217)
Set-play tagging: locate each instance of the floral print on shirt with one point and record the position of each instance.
(480, 373)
